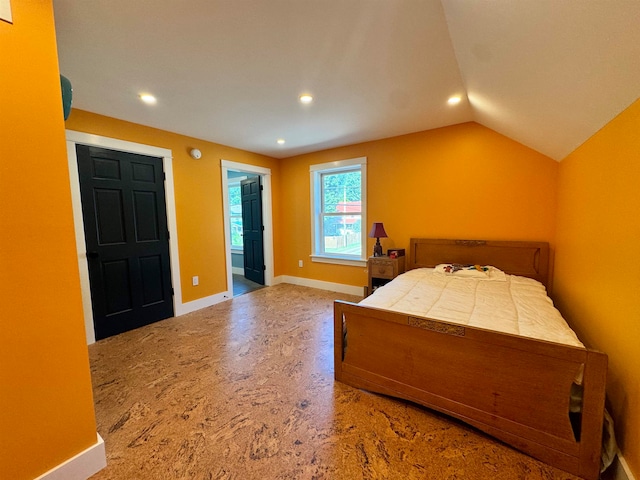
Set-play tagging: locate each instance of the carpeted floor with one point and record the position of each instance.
(244, 390)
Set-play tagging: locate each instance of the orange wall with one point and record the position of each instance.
(597, 269)
(464, 181)
(46, 404)
(198, 194)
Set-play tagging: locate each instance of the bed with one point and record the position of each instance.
(541, 397)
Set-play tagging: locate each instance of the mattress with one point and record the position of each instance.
(499, 302)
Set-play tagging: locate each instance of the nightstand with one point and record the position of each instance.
(382, 270)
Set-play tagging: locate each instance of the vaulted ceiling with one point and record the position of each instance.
(546, 73)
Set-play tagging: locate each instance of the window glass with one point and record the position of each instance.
(235, 216)
(342, 212)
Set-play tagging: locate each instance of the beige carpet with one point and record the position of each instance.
(244, 390)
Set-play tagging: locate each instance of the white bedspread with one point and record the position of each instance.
(512, 304)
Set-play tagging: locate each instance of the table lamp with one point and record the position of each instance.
(377, 232)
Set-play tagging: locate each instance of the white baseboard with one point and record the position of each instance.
(331, 286)
(202, 303)
(80, 467)
(237, 270)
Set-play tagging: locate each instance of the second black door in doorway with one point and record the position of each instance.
(252, 229)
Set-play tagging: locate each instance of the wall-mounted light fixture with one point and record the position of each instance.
(67, 96)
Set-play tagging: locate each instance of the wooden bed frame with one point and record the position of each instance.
(514, 388)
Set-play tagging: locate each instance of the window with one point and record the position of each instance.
(235, 216)
(338, 203)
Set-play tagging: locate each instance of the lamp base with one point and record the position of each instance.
(377, 249)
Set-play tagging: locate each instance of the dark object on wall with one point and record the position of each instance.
(67, 94)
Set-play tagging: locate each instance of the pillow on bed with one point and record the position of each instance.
(459, 270)
(482, 272)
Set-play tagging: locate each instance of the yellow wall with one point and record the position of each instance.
(464, 181)
(46, 404)
(198, 194)
(597, 269)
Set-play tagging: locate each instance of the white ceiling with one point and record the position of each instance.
(547, 73)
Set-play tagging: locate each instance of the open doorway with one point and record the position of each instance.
(244, 193)
(248, 229)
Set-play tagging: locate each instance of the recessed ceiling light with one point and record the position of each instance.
(306, 98)
(280, 141)
(148, 98)
(454, 100)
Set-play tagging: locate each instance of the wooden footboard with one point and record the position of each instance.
(513, 388)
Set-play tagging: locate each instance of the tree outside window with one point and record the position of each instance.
(235, 216)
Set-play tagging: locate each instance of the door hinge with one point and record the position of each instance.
(164, 177)
(261, 188)
(168, 235)
(264, 267)
(172, 292)
(263, 228)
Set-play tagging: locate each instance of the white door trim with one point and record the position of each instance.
(74, 138)
(267, 216)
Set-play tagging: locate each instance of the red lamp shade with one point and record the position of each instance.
(377, 231)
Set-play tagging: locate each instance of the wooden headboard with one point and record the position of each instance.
(527, 259)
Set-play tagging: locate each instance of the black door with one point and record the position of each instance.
(251, 197)
(125, 226)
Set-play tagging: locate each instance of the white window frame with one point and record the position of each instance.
(315, 173)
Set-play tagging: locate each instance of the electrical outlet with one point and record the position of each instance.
(195, 281)
(300, 263)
